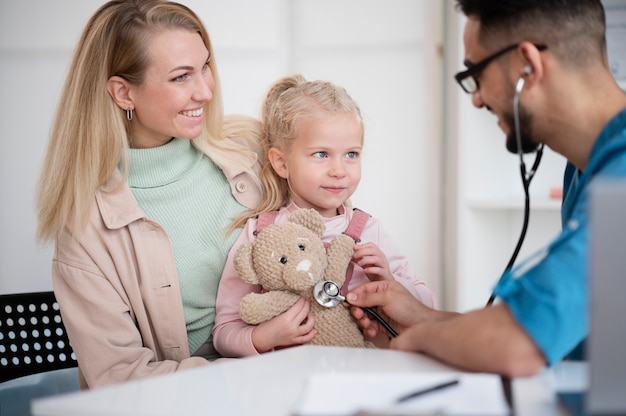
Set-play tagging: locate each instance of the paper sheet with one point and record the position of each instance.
(375, 394)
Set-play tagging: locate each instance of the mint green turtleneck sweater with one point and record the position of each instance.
(187, 194)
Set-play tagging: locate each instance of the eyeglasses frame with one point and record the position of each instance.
(477, 68)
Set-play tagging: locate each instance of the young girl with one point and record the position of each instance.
(313, 135)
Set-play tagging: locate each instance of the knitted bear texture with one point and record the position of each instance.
(287, 260)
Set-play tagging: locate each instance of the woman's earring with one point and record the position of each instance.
(129, 113)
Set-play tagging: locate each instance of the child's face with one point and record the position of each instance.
(323, 166)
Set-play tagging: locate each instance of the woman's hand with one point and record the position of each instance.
(292, 327)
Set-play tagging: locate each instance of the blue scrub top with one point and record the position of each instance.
(547, 292)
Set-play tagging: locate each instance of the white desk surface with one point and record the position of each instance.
(269, 384)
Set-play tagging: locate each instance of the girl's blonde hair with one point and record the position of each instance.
(90, 134)
(290, 102)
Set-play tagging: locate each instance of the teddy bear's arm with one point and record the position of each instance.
(340, 253)
(260, 307)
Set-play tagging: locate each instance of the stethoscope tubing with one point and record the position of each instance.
(384, 323)
(526, 178)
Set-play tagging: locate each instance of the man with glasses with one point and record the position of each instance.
(550, 58)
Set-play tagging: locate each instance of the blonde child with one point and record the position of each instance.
(313, 136)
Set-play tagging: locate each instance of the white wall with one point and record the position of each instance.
(386, 53)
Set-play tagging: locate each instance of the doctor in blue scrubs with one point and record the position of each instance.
(544, 63)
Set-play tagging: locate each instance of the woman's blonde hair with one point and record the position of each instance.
(90, 133)
(290, 102)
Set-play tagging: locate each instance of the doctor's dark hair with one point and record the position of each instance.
(574, 30)
(290, 102)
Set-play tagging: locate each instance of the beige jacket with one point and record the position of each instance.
(118, 289)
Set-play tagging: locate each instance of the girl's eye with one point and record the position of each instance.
(320, 154)
(352, 155)
(180, 78)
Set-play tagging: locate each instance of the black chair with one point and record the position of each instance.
(32, 336)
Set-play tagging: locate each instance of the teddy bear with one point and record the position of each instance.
(287, 260)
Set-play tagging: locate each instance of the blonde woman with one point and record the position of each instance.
(139, 186)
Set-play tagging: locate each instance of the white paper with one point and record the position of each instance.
(376, 394)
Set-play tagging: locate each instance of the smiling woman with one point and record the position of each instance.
(141, 218)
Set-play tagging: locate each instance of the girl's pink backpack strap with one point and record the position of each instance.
(354, 230)
(264, 219)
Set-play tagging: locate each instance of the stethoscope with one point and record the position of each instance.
(526, 177)
(327, 294)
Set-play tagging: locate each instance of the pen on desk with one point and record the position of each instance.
(426, 390)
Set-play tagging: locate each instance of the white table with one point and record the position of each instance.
(269, 384)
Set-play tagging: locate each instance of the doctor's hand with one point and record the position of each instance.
(392, 301)
(292, 327)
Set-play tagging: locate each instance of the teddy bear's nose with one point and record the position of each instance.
(304, 266)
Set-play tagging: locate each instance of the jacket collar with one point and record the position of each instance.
(230, 172)
(116, 202)
(118, 205)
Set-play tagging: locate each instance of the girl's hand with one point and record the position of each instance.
(292, 327)
(373, 261)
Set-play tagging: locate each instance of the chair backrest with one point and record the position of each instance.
(32, 336)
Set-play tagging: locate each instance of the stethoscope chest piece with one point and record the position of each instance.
(326, 293)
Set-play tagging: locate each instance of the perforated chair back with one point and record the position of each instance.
(32, 336)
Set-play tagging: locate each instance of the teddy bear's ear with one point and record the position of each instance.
(243, 263)
(309, 218)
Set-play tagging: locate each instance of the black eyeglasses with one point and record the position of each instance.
(468, 79)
